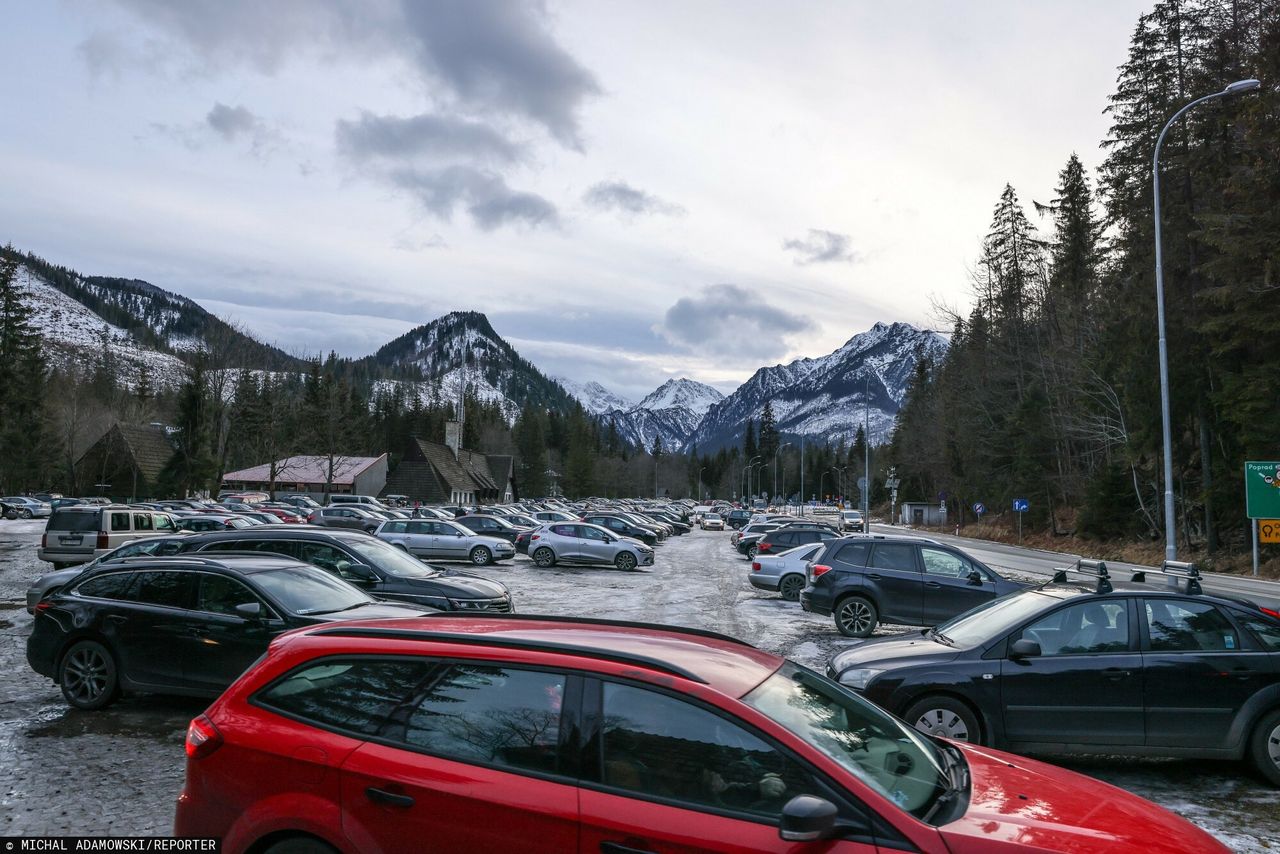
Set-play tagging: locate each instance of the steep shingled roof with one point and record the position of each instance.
(149, 446)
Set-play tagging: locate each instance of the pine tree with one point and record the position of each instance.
(531, 452)
(769, 439)
(749, 448)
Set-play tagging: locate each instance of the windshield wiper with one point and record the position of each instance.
(336, 610)
(957, 781)
(941, 638)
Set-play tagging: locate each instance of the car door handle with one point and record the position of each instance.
(932, 584)
(1114, 673)
(117, 619)
(619, 848)
(873, 576)
(391, 799)
(1243, 672)
(198, 632)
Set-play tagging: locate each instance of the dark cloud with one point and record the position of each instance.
(485, 195)
(486, 56)
(622, 197)
(430, 136)
(730, 320)
(821, 247)
(231, 122)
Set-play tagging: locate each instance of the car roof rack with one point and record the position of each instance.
(512, 643)
(594, 621)
(1094, 569)
(1183, 576)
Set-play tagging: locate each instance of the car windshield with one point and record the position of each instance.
(302, 590)
(877, 748)
(389, 558)
(713, 517)
(992, 619)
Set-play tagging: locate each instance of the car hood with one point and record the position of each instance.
(493, 542)
(375, 611)
(893, 651)
(462, 585)
(1019, 804)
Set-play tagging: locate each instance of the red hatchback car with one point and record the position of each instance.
(488, 733)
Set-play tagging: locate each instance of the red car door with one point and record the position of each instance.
(476, 766)
(677, 777)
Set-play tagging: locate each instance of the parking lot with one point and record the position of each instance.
(117, 772)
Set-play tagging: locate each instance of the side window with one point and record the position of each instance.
(170, 589)
(1266, 631)
(944, 563)
(1089, 627)
(490, 715)
(899, 556)
(589, 533)
(661, 747)
(113, 586)
(564, 530)
(398, 527)
(322, 555)
(853, 554)
(1178, 625)
(163, 522)
(119, 521)
(418, 527)
(220, 595)
(352, 695)
(142, 522)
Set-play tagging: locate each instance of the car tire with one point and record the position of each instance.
(752, 551)
(790, 586)
(946, 717)
(1264, 747)
(26, 514)
(625, 561)
(300, 845)
(544, 557)
(856, 617)
(481, 556)
(88, 676)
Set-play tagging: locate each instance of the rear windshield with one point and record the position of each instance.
(74, 520)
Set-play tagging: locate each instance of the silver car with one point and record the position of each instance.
(784, 571)
(146, 547)
(579, 542)
(29, 508)
(433, 538)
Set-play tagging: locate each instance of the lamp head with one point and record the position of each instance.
(1241, 86)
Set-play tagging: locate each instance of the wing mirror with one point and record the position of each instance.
(1024, 648)
(806, 818)
(975, 577)
(250, 610)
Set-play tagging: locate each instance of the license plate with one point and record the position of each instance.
(71, 541)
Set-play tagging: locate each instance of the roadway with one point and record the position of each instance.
(1002, 556)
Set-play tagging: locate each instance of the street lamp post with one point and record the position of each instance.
(700, 471)
(746, 477)
(1170, 543)
(775, 468)
(825, 472)
(755, 472)
(840, 471)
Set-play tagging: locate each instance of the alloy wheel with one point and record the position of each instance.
(790, 587)
(1273, 745)
(86, 676)
(856, 618)
(480, 556)
(625, 560)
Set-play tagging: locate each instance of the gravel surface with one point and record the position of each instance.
(118, 772)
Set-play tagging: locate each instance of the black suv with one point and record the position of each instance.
(910, 581)
(781, 539)
(491, 526)
(379, 568)
(182, 625)
(1078, 666)
(623, 528)
(737, 518)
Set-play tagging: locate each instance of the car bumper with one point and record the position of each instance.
(646, 559)
(813, 604)
(56, 555)
(42, 647)
(767, 582)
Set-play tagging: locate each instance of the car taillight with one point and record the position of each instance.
(44, 541)
(763, 547)
(820, 569)
(103, 541)
(1269, 612)
(755, 566)
(203, 738)
(42, 606)
(534, 537)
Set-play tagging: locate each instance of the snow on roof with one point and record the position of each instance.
(305, 469)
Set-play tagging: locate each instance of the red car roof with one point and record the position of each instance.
(725, 665)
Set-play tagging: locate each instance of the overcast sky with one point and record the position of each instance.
(630, 191)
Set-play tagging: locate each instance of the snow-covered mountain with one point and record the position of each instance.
(594, 397)
(672, 412)
(684, 393)
(828, 397)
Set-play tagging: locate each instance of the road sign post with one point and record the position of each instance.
(892, 483)
(1262, 501)
(1020, 506)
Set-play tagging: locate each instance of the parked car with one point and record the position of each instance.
(1080, 666)
(711, 522)
(789, 536)
(345, 516)
(490, 526)
(431, 538)
(211, 522)
(737, 518)
(261, 516)
(343, 498)
(83, 532)
(64, 502)
(51, 582)
(288, 516)
(621, 527)
(850, 520)
(559, 735)
(580, 542)
(396, 500)
(304, 503)
(864, 580)
(28, 508)
(784, 571)
(181, 625)
(752, 529)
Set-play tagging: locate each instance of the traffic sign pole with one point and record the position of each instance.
(1255, 546)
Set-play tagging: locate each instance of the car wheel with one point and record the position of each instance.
(544, 557)
(625, 560)
(752, 551)
(856, 617)
(26, 514)
(481, 556)
(946, 717)
(88, 676)
(1264, 747)
(300, 845)
(790, 587)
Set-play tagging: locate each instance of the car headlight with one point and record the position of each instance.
(858, 677)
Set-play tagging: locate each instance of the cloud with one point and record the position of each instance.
(231, 122)
(426, 135)
(731, 320)
(485, 195)
(622, 197)
(821, 247)
(488, 56)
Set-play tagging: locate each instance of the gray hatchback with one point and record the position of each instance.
(579, 542)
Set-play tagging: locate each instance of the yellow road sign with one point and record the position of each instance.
(1269, 530)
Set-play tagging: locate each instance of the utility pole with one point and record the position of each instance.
(700, 471)
(802, 504)
(866, 447)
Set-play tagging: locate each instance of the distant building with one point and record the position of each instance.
(435, 473)
(310, 474)
(126, 461)
(926, 513)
